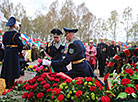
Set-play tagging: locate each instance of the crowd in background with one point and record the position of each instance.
(96, 54)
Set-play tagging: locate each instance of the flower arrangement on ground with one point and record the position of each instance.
(41, 87)
(79, 90)
(125, 84)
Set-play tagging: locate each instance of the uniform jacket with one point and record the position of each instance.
(76, 51)
(11, 65)
(56, 51)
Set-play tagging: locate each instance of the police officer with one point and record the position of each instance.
(75, 55)
(56, 50)
(102, 55)
(13, 46)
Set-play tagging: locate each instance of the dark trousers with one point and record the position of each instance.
(9, 83)
(101, 66)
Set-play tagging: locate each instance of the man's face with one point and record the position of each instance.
(68, 36)
(113, 42)
(56, 38)
(102, 40)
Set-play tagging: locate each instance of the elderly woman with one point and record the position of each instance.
(91, 54)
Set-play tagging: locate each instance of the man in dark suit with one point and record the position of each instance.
(13, 46)
(102, 55)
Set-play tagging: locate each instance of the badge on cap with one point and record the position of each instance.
(71, 51)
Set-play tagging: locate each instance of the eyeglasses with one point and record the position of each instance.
(56, 37)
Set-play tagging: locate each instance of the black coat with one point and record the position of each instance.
(56, 54)
(11, 65)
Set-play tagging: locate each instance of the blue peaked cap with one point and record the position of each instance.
(69, 30)
(11, 21)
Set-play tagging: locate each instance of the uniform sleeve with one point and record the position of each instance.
(18, 41)
(71, 54)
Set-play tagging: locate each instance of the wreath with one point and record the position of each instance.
(127, 53)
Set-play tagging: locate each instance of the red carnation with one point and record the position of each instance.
(68, 80)
(125, 81)
(40, 95)
(46, 86)
(78, 82)
(136, 86)
(55, 84)
(89, 79)
(136, 70)
(57, 91)
(133, 64)
(52, 97)
(43, 82)
(24, 95)
(43, 75)
(19, 81)
(57, 80)
(62, 77)
(60, 97)
(92, 88)
(25, 85)
(116, 57)
(25, 81)
(129, 71)
(127, 53)
(40, 79)
(31, 81)
(111, 64)
(51, 79)
(34, 86)
(28, 87)
(30, 95)
(78, 93)
(4, 93)
(129, 90)
(105, 99)
(36, 77)
(48, 90)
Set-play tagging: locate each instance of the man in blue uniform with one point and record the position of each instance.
(13, 45)
(56, 50)
(75, 55)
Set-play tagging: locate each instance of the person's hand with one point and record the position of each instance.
(107, 59)
(46, 62)
(91, 55)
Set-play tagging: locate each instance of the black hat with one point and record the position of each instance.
(11, 21)
(56, 32)
(69, 30)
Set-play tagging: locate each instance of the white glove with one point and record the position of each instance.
(46, 62)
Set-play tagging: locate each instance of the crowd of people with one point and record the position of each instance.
(84, 59)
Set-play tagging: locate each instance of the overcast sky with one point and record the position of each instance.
(100, 8)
